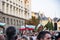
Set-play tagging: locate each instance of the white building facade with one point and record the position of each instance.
(15, 12)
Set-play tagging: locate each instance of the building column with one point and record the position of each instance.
(5, 8)
(0, 5)
(8, 9)
(12, 10)
(22, 13)
(18, 12)
(15, 11)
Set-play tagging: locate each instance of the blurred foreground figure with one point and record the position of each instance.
(57, 36)
(11, 33)
(2, 37)
(44, 35)
(24, 38)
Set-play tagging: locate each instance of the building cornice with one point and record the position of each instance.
(12, 15)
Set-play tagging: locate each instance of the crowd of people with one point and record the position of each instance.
(11, 34)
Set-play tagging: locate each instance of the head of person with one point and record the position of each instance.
(2, 29)
(24, 38)
(2, 37)
(58, 36)
(10, 32)
(44, 35)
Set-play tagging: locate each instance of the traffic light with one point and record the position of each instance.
(55, 26)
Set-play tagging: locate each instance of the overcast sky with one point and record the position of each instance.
(51, 8)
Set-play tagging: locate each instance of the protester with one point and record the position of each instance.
(34, 36)
(11, 33)
(24, 38)
(57, 36)
(2, 37)
(44, 35)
